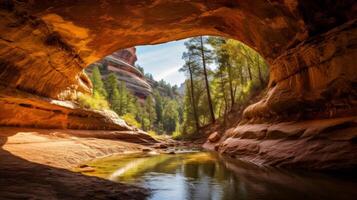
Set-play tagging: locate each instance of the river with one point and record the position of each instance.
(206, 175)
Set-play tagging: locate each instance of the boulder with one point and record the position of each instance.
(214, 137)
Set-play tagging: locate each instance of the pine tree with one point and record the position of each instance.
(190, 67)
(110, 84)
(170, 117)
(98, 86)
(115, 101)
(201, 54)
(123, 98)
(150, 110)
(224, 63)
(158, 106)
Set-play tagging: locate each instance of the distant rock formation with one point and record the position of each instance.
(122, 63)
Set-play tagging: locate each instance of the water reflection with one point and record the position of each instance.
(204, 175)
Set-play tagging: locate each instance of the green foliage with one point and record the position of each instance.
(115, 103)
(98, 86)
(129, 118)
(158, 106)
(170, 117)
(240, 70)
(96, 101)
(111, 84)
(208, 94)
(150, 110)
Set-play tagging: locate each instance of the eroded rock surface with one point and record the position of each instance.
(328, 144)
(46, 44)
(23, 109)
(36, 163)
(316, 79)
(310, 45)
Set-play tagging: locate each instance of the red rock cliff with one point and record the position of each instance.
(122, 64)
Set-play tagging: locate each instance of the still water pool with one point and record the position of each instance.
(206, 175)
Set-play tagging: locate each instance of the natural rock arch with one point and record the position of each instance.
(45, 45)
(310, 46)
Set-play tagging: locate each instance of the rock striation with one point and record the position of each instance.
(122, 64)
(310, 46)
(22, 109)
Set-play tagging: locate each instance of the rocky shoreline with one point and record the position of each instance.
(36, 163)
(328, 144)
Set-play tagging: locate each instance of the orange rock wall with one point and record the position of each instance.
(45, 45)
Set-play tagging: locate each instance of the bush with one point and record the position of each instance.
(96, 101)
(177, 135)
(129, 118)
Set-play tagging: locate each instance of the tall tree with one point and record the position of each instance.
(115, 101)
(190, 67)
(98, 85)
(201, 54)
(224, 62)
(110, 84)
(259, 70)
(170, 116)
(158, 106)
(123, 98)
(150, 110)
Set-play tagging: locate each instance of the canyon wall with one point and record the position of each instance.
(310, 46)
(122, 64)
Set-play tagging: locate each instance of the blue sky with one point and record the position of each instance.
(163, 61)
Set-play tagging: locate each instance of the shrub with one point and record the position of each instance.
(96, 101)
(129, 118)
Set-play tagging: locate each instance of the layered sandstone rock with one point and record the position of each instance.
(327, 144)
(122, 64)
(45, 45)
(315, 79)
(23, 109)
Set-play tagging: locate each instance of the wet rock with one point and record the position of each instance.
(214, 137)
(86, 169)
(160, 146)
(171, 152)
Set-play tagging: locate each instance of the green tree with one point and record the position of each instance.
(199, 52)
(170, 117)
(98, 86)
(110, 84)
(115, 101)
(190, 68)
(150, 110)
(158, 106)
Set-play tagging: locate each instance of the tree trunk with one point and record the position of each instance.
(249, 71)
(224, 97)
(230, 84)
(213, 119)
(193, 99)
(259, 72)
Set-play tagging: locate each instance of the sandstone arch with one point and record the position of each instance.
(310, 45)
(46, 44)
